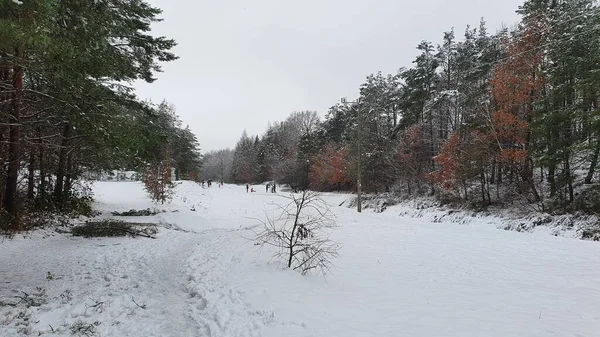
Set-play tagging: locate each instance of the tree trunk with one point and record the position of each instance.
(292, 239)
(568, 177)
(551, 175)
(499, 178)
(30, 176)
(569, 140)
(432, 152)
(42, 185)
(6, 94)
(593, 163)
(527, 173)
(498, 182)
(68, 177)
(487, 190)
(62, 163)
(528, 179)
(482, 181)
(14, 147)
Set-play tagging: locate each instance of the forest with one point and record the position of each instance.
(482, 119)
(68, 108)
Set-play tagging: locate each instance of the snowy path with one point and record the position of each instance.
(104, 278)
(395, 277)
(177, 285)
(218, 306)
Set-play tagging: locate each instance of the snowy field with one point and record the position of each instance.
(201, 276)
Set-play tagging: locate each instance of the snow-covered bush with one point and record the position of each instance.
(134, 212)
(300, 232)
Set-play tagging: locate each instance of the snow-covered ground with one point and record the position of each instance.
(201, 276)
(520, 218)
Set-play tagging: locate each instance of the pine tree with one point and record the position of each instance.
(66, 58)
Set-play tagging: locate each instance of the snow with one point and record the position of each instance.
(201, 276)
(518, 217)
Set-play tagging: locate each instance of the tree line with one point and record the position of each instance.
(486, 118)
(66, 103)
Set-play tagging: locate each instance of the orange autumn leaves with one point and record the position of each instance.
(461, 157)
(516, 84)
(330, 168)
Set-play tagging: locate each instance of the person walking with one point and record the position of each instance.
(267, 188)
(247, 188)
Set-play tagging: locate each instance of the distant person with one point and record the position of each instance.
(273, 189)
(252, 189)
(267, 188)
(247, 188)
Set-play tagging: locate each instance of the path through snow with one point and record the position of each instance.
(175, 285)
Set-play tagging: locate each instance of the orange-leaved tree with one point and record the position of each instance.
(464, 156)
(452, 164)
(517, 84)
(330, 168)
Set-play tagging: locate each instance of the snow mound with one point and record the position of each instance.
(577, 225)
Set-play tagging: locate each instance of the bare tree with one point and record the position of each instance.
(217, 165)
(301, 234)
(308, 121)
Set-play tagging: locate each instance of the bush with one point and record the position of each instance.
(111, 228)
(591, 234)
(158, 181)
(588, 200)
(300, 232)
(133, 212)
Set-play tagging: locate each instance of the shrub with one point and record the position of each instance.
(110, 228)
(300, 233)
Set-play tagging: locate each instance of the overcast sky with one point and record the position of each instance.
(244, 63)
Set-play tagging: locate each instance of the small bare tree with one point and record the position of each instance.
(300, 232)
(158, 180)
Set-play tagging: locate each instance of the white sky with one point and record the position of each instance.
(246, 63)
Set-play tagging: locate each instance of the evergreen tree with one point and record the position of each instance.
(66, 59)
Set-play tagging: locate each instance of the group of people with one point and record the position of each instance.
(272, 187)
(209, 183)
